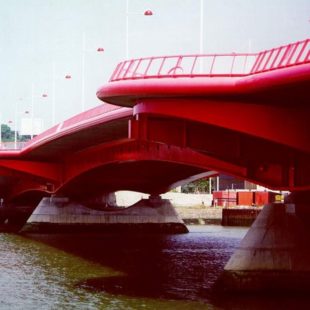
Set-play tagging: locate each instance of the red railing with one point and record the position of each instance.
(230, 65)
(283, 56)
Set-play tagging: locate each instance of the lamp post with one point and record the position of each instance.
(98, 50)
(146, 13)
(201, 27)
(201, 34)
(44, 95)
(16, 109)
(54, 77)
(0, 132)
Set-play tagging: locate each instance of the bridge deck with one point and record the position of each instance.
(190, 118)
(100, 124)
(216, 75)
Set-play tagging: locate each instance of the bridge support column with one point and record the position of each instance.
(274, 255)
(62, 215)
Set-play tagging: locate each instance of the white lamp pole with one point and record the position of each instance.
(15, 126)
(0, 132)
(127, 29)
(84, 50)
(83, 74)
(32, 109)
(44, 95)
(146, 13)
(201, 49)
(53, 94)
(201, 26)
(54, 78)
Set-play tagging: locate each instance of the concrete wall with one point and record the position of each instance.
(127, 198)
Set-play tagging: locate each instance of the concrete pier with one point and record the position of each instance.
(273, 256)
(62, 215)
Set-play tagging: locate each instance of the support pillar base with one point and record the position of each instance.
(272, 282)
(273, 256)
(59, 215)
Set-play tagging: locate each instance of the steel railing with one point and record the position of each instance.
(230, 65)
(283, 56)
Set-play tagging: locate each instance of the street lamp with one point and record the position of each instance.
(146, 13)
(54, 77)
(84, 50)
(0, 132)
(44, 95)
(201, 35)
(201, 27)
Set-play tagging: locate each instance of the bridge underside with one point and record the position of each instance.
(148, 176)
(166, 143)
(266, 158)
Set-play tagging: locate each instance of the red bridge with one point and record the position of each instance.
(241, 114)
(174, 119)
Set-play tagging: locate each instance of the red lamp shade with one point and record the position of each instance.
(148, 13)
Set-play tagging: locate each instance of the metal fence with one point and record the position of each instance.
(228, 65)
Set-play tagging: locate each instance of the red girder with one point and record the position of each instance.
(267, 163)
(127, 152)
(26, 185)
(174, 112)
(46, 171)
(289, 126)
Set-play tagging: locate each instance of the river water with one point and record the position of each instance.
(123, 271)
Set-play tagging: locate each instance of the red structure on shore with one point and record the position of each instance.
(231, 198)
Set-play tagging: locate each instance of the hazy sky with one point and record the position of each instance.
(36, 33)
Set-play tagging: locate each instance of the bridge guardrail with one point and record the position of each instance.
(212, 65)
(283, 56)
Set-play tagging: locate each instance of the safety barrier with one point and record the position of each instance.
(226, 65)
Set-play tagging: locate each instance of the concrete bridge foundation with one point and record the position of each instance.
(273, 256)
(62, 215)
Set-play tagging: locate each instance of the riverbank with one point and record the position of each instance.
(234, 216)
(200, 215)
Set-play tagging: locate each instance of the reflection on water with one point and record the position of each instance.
(117, 271)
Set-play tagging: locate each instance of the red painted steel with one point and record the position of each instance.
(89, 118)
(255, 119)
(139, 150)
(48, 171)
(232, 98)
(274, 86)
(211, 65)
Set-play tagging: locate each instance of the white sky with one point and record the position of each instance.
(36, 33)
